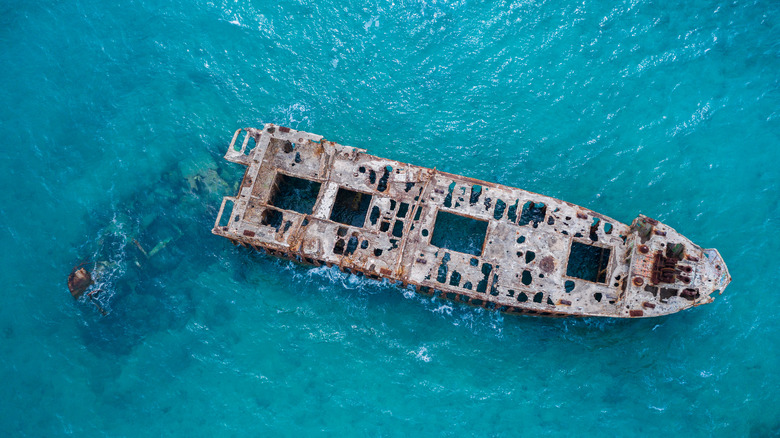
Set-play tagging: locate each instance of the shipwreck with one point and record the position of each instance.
(317, 202)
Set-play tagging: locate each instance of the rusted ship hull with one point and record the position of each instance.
(318, 202)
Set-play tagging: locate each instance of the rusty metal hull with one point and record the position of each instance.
(318, 202)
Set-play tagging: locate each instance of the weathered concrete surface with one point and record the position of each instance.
(540, 255)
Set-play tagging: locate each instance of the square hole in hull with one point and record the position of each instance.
(459, 233)
(350, 208)
(588, 262)
(296, 194)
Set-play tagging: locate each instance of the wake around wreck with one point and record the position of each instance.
(318, 202)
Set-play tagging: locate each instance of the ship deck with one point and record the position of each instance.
(319, 202)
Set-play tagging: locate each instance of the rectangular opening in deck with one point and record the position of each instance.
(225, 212)
(296, 194)
(458, 233)
(588, 262)
(350, 208)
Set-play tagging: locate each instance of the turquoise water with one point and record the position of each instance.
(671, 110)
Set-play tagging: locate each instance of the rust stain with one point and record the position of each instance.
(547, 264)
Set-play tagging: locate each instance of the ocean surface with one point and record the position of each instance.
(114, 118)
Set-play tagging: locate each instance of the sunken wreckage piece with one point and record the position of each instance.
(318, 202)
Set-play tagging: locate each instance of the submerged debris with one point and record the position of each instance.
(318, 202)
(140, 238)
(78, 281)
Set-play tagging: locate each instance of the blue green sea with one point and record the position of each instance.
(114, 118)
